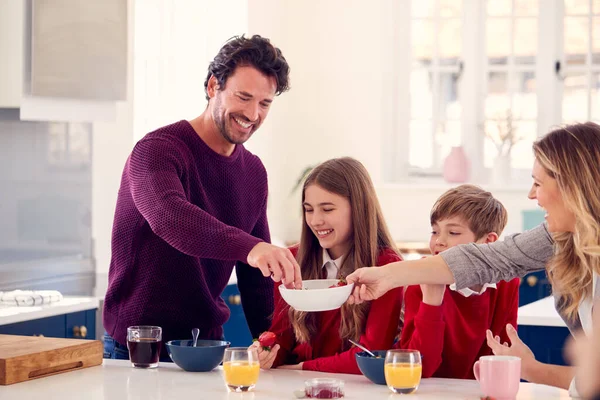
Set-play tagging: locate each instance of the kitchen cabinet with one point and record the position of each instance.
(77, 325)
(546, 342)
(79, 49)
(11, 51)
(65, 60)
(236, 328)
(542, 329)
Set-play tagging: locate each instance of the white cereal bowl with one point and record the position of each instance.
(316, 295)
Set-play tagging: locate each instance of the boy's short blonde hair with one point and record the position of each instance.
(482, 212)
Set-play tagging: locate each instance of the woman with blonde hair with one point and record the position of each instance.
(343, 229)
(566, 175)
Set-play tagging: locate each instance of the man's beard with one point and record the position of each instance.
(220, 121)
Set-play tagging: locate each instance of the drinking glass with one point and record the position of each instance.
(403, 370)
(144, 343)
(240, 368)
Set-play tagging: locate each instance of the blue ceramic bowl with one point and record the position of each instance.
(204, 357)
(372, 367)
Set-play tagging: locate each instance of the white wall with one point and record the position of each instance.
(339, 54)
(112, 142)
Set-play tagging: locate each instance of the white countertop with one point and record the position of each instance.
(11, 315)
(540, 313)
(116, 380)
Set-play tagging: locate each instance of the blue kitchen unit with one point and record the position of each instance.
(236, 328)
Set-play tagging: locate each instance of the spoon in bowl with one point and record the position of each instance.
(195, 333)
(360, 346)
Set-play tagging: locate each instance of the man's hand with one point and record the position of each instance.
(517, 348)
(433, 295)
(265, 357)
(276, 262)
(369, 283)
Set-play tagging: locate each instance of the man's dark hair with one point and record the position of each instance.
(257, 52)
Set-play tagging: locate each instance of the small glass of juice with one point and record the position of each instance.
(403, 370)
(240, 368)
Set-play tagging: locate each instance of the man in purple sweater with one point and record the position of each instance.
(192, 203)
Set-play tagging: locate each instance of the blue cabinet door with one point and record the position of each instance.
(81, 325)
(546, 342)
(49, 327)
(236, 328)
(59, 326)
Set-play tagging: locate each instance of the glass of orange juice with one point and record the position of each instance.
(240, 368)
(403, 370)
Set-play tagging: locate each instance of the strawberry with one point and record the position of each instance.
(341, 282)
(267, 340)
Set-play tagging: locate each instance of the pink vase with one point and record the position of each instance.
(457, 166)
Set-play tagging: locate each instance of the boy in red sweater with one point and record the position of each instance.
(343, 229)
(448, 326)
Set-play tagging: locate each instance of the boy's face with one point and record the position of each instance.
(450, 232)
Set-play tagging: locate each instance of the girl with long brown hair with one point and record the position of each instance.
(343, 229)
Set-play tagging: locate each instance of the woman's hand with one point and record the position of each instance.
(265, 357)
(517, 348)
(369, 283)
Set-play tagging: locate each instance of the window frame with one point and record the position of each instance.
(473, 88)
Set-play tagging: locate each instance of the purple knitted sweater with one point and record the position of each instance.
(184, 216)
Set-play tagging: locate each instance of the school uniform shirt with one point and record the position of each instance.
(451, 337)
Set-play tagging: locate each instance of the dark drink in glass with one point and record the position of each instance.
(144, 343)
(144, 353)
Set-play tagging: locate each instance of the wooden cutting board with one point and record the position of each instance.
(23, 358)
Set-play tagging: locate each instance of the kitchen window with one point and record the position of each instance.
(477, 67)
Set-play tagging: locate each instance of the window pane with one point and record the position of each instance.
(575, 101)
(450, 8)
(521, 153)
(497, 101)
(450, 43)
(448, 104)
(576, 40)
(524, 8)
(499, 7)
(577, 6)
(422, 41)
(498, 40)
(422, 8)
(595, 93)
(421, 144)
(524, 96)
(525, 133)
(596, 41)
(526, 40)
(447, 135)
(421, 98)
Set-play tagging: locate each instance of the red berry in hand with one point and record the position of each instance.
(267, 340)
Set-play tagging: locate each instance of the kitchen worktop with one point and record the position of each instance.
(116, 380)
(540, 313)
(11, 315)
